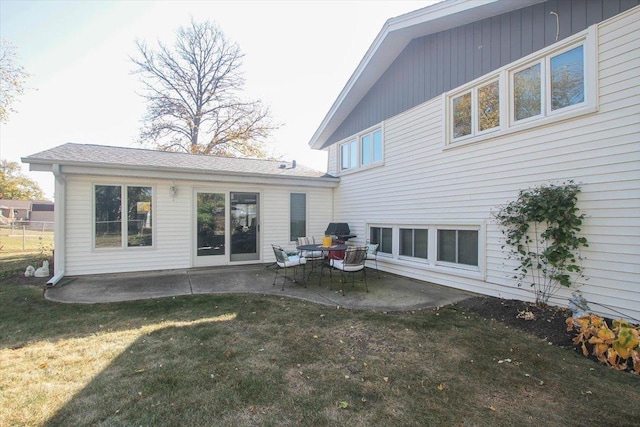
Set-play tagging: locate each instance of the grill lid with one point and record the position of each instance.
(337, 229)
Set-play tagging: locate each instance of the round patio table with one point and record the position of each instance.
(319, 247)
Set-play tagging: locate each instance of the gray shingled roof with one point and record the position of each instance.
(109, 157)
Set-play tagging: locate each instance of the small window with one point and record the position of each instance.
(458, 246)
(366, 150)
(527, 97)
(462, 115)
(476, 111)
(371, 147)
(414, 242)
(489, 106)
(298, 215)
(383, 236)
(567, 79)
(139, 218)
(349, 155)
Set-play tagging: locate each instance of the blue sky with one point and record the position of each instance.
(298, 57)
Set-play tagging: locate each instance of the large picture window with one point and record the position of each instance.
(122, 216)
(298, 216)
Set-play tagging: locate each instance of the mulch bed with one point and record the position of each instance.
(546, 322)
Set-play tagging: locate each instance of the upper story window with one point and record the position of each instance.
(552, 83)
(549, 85)
(363, 151)
(476, 111)
(371, 147)
(349, 155)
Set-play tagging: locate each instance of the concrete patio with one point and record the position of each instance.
(387, 293)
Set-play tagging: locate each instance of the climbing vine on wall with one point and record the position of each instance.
(541, 229)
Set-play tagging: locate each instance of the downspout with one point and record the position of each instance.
(58, 226)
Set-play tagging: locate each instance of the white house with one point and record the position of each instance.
(453, 109)
(458, 106)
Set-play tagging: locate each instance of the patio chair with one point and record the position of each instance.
(311, 256)
(284, 261)
(353, 261)
(372, 255)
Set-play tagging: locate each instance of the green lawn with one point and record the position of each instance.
(267, 361)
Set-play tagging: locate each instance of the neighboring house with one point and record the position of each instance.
(458, 106)
(35, 214)
(124, 209)
(15, 210)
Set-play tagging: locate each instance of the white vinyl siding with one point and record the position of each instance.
(173, 223)
(423, 183)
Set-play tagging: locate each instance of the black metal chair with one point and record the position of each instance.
(284, 261)
(353, 262)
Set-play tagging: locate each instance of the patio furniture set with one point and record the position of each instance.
(332, 252)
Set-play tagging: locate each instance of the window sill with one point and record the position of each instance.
(345, 172)
(523, 127)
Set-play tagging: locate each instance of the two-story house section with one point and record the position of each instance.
(458, 106)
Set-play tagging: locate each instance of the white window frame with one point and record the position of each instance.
(505, 77)
(458, 265)
(393, 238)
(413, 229)
(124, 219)
(306, 212)
(357, 140)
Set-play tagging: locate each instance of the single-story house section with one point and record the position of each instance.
(457, 106)
(124, 209)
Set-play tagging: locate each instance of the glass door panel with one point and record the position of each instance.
(210, 224)
(244, 226)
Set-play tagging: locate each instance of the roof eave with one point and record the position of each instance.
(394, 36)
(94, 168)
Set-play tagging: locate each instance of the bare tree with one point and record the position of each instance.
(12, 78)
(193, 95)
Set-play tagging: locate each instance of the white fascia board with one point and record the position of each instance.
(198, 175)
(393, 38)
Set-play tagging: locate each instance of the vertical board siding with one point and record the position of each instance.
(173, 223)
(421, 183)
(434, 64)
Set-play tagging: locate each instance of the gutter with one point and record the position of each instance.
(58, 227)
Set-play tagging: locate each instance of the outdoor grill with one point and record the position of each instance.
(340, 230)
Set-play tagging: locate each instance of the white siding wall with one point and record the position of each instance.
(173, 223)
(421, 183)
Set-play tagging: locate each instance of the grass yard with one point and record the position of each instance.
(267, 361)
